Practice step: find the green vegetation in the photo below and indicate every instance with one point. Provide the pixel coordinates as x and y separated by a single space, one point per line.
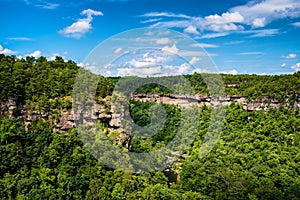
38 80
277 87
41 82
257 156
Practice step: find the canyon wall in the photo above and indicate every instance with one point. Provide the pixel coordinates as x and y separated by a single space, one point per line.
66 119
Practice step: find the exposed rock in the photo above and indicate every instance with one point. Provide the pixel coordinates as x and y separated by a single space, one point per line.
113 116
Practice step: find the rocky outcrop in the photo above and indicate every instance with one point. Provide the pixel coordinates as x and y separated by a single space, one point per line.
61 120
200 100
65 119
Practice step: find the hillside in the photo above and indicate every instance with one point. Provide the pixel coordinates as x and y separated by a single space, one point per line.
42 157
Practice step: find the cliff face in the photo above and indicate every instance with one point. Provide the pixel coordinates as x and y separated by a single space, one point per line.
200 100
65 120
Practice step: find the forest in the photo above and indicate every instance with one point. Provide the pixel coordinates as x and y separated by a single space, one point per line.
256 157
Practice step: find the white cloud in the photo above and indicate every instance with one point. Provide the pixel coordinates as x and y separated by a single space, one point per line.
82 26
262 33
172 24
205 45
224 27
161 32
166 14
162 70
89 12
290 56
228 17
54 55
149 33
42 4
148 60
139 72
6 51
194 24
163 41
47 5
214 35
141 64
194 60
173 49
228 21
259 22
151 20
239 19
297 24
118 50
157 63
81 64
269 9
182 69
283 65
191 30
233 72
296 67
19 39
36 53
194 53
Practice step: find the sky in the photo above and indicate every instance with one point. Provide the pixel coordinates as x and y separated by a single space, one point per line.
241 37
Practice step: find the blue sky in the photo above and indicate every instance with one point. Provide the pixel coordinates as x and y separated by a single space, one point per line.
241 36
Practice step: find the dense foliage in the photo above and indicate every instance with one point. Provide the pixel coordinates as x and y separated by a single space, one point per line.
30 80
256 157
279 87
38 80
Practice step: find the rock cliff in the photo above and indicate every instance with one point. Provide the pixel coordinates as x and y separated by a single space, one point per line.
65 120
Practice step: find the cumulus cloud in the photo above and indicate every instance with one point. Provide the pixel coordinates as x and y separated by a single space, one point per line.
269 10
6 51
227 17
36 53
155 70
252 15
173 49
81 26
154 63
290 56
233 72
296 67
194 60
259 22
191 30
150 71
148 60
